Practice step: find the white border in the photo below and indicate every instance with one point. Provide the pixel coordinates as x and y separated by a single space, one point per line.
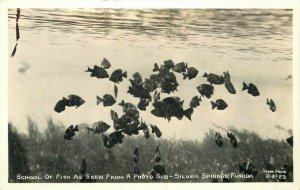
4 5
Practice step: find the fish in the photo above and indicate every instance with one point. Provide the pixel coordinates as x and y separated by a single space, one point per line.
98 72
75 100
116 137
252 89
218 139
105 64
136 154
14 50
17 32
206 90
171 107
271 105
180 67
116 91
168 83
248 168
129 109
107 142
228 84
83 167
70 132
100 127
139 92
219 104
156 96
118 75
195 102
108 100
156 130
61 104
214 79
143 104
290 140
232 139
169 64
150 85
144 127
191 73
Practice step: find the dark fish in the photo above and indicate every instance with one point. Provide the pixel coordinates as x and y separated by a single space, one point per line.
171 107
156 130
83 167
206 90
14 51
168 83
229 86
220 104
117 76
100 127
156 96
17 32
107 142
108 100
150 85
116 137
271 105
145 129
75 100
169 64
61 104
129 109
98 72
139 92
116 91
232 139
248 168
192 72
143 104
105 64
136 155
252 89
218 139
70 132
195 102
180 67
214 79
290 140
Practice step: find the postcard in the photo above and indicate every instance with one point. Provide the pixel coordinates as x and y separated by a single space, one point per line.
149 95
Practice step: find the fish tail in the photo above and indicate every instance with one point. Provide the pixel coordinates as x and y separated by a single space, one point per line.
188 113
245 87
124 74
184 76
99 100
122 103
89 70
76 128
213 105
156 68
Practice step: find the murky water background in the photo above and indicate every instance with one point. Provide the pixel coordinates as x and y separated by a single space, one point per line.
58 45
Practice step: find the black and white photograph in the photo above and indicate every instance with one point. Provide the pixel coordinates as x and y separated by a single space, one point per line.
150 95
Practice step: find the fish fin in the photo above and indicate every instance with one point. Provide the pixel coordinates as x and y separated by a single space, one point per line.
122 103
268 101
188 113
76 128
244 86
99 100
185 75
205 74
181 103
200 100
124 74
213 105
89 70
156 68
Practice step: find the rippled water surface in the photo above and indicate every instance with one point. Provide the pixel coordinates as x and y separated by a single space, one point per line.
58 45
